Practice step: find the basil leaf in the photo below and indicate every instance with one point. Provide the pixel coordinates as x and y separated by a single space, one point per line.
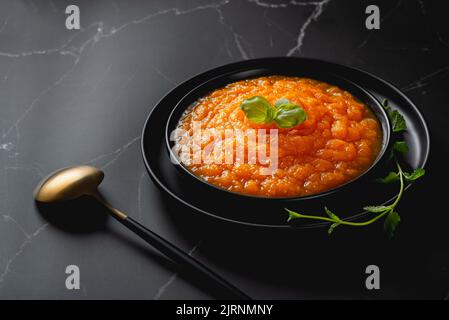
286 114
375 209
418 173
257 109
281 102
332 227
391 223
391 177
289 115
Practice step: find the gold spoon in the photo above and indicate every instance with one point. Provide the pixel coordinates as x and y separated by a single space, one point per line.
74 182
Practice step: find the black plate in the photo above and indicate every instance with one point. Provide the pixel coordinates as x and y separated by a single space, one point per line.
258 211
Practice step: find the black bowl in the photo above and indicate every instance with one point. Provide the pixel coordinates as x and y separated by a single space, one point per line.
204 201
286 70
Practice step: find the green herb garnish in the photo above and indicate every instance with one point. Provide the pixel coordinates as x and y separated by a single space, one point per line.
397 120
392 218
284 113
400 146
390 213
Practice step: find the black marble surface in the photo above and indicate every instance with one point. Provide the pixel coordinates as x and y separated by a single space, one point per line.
81 97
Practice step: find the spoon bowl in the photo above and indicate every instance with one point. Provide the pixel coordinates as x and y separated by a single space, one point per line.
68 184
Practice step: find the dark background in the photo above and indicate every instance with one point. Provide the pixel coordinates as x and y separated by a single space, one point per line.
81 97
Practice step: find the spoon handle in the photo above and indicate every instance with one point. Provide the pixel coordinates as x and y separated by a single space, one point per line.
186 262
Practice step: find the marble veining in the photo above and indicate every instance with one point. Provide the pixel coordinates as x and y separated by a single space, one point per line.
425 80
121 61
162 289
29 238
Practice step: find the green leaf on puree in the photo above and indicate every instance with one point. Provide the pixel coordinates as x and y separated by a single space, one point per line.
284 113
281 102
289 115
257 110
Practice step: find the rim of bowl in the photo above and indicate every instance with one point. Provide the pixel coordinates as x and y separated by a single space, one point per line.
386 136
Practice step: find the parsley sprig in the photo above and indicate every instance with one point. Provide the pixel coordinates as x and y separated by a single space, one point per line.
390 213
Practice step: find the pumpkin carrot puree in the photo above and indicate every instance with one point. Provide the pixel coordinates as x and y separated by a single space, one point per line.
339 140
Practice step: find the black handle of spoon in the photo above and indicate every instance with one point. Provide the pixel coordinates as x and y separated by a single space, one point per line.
186 262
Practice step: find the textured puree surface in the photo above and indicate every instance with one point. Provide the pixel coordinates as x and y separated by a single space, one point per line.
339 140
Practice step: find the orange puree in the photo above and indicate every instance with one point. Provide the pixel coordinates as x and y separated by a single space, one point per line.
339 140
